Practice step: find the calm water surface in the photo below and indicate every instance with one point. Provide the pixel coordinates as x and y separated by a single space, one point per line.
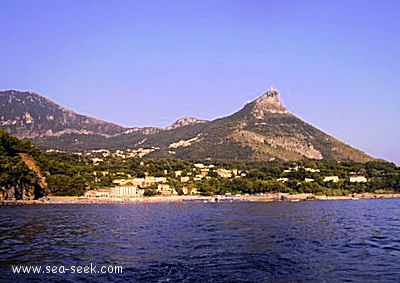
317 241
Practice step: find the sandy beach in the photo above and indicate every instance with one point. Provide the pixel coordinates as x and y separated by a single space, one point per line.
188 199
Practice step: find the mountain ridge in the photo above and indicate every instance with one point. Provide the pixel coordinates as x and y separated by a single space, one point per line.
263 129
34 116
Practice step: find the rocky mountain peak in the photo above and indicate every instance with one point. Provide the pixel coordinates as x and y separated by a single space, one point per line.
262 130
269 102
185 121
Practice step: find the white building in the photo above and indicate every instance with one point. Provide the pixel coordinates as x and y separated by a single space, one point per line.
224 173
311 170
101 193
358 179
185 179
333 179
160 179
126 192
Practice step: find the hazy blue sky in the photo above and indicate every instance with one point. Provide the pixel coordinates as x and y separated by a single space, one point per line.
147 63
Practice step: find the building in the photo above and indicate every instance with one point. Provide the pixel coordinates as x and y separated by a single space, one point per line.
96 160
189 190
185 179
138 181
101 193
126 192
204 172
166 190
197 178
160 179
358 179
120 181
224 173
311 170
333 179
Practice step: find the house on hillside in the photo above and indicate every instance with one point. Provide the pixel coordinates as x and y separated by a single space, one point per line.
312 170
198 177
333 179
185 179
358 179
224 173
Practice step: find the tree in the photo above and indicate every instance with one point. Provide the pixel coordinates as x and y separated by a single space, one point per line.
58 184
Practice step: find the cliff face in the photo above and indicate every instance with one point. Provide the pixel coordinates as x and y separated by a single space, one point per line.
18 192
23 190
30 162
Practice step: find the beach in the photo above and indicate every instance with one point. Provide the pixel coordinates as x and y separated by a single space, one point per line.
273 197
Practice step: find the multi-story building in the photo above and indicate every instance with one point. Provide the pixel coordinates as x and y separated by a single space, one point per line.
126 192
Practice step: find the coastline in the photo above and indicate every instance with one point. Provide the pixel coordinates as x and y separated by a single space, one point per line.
276 197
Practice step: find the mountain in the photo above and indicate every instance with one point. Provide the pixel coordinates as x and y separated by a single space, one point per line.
262 130
29 115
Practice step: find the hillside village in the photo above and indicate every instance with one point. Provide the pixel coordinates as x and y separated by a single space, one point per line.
189 181
127 187
105 174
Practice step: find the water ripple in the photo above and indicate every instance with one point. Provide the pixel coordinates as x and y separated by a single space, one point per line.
327 241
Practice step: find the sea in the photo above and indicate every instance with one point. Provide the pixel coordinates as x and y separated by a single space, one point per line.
311 241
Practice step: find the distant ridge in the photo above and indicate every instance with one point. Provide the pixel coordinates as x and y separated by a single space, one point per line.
29 115
263 130
186 121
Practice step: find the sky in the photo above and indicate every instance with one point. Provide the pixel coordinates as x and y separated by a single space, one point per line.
148 63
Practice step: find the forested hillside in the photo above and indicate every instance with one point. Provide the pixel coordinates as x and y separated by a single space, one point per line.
17 181
26 174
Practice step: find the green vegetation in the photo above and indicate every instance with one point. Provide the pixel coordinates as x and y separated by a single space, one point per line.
16 180
73 174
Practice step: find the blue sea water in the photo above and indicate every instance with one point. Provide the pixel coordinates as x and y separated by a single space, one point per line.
314 241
